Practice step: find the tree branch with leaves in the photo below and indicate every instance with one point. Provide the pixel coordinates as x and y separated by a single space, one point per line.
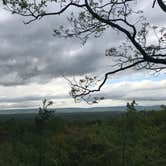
91 19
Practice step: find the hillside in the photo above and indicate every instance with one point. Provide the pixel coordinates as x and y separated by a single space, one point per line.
129 138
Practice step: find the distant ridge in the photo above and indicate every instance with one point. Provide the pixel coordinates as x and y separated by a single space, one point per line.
75 110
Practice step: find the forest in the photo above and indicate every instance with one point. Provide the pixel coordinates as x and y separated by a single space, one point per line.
131 138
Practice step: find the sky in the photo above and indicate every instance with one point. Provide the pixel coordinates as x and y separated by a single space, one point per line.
33 61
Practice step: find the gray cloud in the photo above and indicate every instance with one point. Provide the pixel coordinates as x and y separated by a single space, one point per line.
29 53
31 98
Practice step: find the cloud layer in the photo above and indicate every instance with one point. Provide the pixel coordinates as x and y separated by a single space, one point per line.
31 54
145 92
32 60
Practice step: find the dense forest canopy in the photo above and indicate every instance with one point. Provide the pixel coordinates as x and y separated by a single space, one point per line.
131 138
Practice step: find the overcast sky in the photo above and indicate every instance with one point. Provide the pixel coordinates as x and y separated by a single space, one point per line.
32 63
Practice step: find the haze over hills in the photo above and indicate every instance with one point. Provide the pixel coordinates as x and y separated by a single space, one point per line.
75 110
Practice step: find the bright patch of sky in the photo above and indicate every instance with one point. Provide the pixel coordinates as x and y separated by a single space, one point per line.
138 77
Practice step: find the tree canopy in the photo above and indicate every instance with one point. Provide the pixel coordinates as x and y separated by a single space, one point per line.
92 18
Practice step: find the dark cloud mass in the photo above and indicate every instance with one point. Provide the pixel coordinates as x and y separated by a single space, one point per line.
29 53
